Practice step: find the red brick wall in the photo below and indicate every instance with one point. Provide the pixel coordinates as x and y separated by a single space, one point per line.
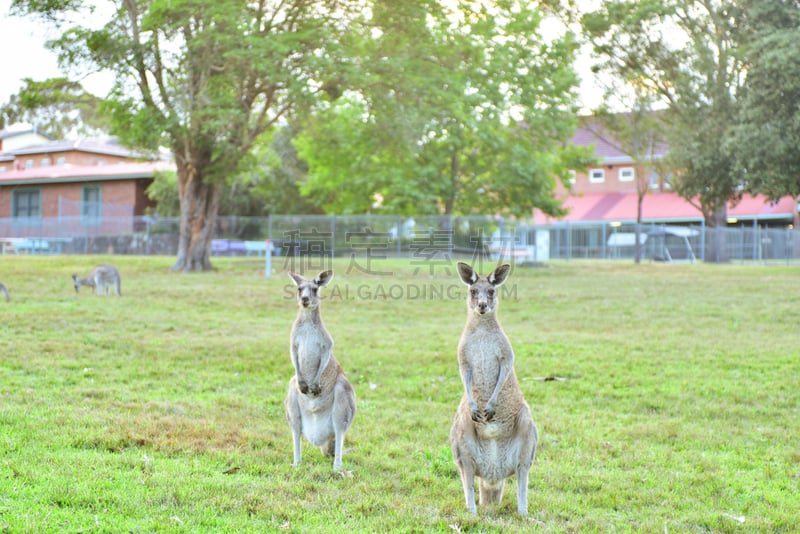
611 182
122 192
70 157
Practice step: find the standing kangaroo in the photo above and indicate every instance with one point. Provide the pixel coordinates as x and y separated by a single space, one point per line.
102 278
493 435
321 403
4 291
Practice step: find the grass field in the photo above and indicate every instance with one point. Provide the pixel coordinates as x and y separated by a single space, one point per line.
162 411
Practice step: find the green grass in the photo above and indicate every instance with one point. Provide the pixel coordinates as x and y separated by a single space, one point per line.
162 411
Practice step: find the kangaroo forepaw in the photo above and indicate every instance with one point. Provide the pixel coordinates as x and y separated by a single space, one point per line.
315 389
476 416
303 387
489 413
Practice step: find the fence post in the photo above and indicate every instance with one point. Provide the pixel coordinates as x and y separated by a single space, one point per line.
569 241
703 239
397 235
268 259
603 242
450 236
333 238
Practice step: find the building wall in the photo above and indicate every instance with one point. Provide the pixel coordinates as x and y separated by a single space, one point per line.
611 180
19 140
74 157
129 193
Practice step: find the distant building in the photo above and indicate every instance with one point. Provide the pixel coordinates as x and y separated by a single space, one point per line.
13 138
73 183
606 193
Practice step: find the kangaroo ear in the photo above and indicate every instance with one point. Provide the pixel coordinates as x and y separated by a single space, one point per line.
296 278
499 275
323 278
74 276
466 273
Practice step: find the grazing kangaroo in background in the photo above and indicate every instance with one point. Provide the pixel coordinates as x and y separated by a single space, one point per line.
102 278
493 435
321 403
4 291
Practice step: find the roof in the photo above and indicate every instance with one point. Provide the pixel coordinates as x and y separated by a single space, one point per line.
8 133
602 207
606 148
82 173
95 146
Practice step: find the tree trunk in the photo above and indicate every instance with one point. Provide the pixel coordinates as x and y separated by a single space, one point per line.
450 201
717 243
199 208
640 192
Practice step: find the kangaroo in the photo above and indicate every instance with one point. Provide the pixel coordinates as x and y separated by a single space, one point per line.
102 278
4 291
321 403
493 434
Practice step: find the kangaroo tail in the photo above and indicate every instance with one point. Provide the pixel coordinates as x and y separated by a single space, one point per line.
329 448
5 292
491 491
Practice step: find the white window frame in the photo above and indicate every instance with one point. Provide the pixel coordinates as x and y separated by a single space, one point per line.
654 180
623 171
601 176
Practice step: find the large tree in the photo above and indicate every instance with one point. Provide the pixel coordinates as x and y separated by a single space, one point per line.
685 52
204 78
58 106
766 138
638 133
454 108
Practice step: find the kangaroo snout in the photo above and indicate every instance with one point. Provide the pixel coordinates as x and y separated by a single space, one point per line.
483 307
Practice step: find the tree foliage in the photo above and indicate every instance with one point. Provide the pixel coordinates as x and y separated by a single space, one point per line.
766 138
685 52
448 109
56 106
638 133
204 78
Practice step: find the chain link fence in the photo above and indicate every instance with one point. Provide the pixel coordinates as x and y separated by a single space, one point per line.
433 238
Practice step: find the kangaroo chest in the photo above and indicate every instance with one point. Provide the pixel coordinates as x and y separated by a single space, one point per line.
484 353
312 342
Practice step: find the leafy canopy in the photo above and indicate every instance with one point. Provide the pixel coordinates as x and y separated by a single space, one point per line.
451 109
684 52
766 136
57 106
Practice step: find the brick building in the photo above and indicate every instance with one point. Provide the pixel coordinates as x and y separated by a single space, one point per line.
606 193
74 183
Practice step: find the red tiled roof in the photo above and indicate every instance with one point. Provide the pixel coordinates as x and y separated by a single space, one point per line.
68 173
594 207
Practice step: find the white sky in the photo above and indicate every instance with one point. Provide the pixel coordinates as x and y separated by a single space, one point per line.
24 56
23 53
